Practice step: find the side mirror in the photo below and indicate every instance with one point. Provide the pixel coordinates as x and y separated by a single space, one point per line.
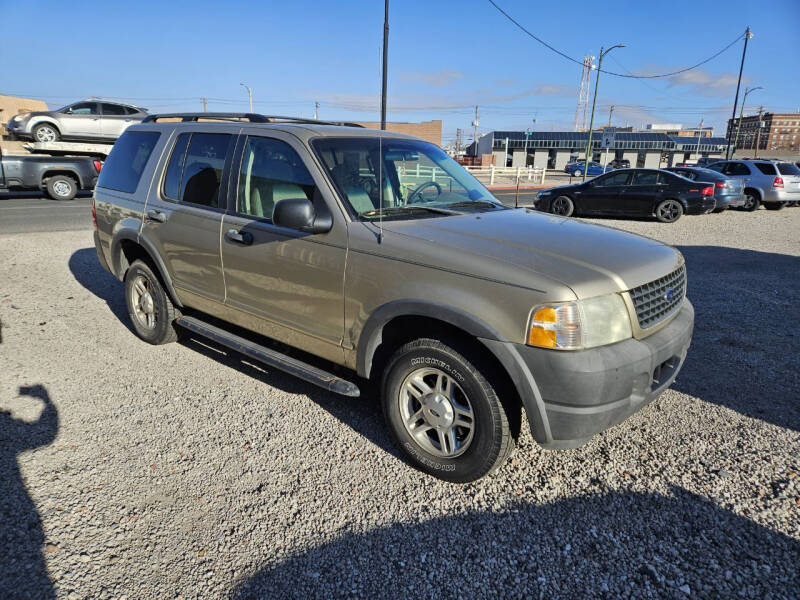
69 110
299 214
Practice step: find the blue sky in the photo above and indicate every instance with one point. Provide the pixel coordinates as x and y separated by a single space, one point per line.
444 57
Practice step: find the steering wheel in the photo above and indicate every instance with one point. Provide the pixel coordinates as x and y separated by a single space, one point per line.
421 188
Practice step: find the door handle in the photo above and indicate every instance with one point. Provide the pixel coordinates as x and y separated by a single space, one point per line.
157 216
239 237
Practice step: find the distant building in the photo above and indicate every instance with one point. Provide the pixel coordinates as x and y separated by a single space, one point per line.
12 105
554 149
780 132
427 130
679 130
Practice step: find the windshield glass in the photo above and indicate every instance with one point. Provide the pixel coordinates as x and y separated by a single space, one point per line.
400 177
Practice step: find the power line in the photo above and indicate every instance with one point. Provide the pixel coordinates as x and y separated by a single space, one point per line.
628 75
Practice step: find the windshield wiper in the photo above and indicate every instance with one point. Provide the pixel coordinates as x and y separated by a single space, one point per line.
395 210
473 204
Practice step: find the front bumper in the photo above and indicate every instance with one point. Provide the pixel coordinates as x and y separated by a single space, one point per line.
571 396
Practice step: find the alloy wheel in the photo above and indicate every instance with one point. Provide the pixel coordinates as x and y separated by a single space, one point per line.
669 211
45 134
562 206
142 301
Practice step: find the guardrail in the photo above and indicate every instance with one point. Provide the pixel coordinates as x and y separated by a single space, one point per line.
533 174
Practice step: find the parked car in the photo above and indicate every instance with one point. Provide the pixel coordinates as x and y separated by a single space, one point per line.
630 193
576 169
773 184
333 242
87 120
60 178
620 163
728 192
704 161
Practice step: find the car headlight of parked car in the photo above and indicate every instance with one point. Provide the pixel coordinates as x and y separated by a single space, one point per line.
579 324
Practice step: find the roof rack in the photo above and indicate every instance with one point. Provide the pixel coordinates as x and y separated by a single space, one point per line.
251 117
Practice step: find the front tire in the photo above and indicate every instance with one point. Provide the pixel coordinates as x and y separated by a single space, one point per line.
562 206
150 309
669 211
61 187
443 413
45 132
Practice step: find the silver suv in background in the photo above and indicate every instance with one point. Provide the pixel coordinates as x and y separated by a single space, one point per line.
85 120
775 184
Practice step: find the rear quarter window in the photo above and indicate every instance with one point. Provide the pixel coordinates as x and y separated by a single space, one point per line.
125 165
788 169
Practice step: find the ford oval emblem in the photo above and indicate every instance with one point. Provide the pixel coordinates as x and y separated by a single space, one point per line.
669 295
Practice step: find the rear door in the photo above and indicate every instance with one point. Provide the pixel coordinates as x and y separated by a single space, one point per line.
81 120
115 119
601 195
735 169
184 213
292 281
641 195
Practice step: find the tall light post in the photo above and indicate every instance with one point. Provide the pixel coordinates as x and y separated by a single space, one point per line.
741 114
249 94
594 102
747 36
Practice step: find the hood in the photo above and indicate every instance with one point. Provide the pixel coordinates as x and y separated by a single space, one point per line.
515 246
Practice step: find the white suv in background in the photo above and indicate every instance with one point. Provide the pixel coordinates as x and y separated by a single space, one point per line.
89 120
775 184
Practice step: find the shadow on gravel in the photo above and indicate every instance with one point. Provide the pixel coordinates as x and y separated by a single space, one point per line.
610 545
23 572
745 353
86 269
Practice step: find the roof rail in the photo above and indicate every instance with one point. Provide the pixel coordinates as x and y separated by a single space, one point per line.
252 117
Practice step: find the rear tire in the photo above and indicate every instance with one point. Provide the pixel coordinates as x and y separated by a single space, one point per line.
669 211
443 413
774 205
578 173
61 187
751 201
150 309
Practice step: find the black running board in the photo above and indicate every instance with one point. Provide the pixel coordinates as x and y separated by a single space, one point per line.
270 357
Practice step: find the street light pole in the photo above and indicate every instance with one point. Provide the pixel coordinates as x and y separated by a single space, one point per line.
249 95
741 113
747 36
594 102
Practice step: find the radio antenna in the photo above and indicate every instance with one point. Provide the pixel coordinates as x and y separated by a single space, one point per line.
380 188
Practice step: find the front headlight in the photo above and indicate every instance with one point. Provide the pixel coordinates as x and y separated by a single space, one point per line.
579 324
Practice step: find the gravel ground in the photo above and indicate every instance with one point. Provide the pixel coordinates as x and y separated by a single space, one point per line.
180 471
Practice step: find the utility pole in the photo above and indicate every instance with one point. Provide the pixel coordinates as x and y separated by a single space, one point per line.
741 113
249 95
610 112
594 103
747 36
758 131
316 110
204 105
385 50
475 131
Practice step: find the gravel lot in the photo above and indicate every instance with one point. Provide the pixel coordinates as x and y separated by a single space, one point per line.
180 471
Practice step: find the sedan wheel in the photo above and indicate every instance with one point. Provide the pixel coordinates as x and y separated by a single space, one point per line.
562 206
669 211
578 173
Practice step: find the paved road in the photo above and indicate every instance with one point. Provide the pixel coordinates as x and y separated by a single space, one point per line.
526 197
30 212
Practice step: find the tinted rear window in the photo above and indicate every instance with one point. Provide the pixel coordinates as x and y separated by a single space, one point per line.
127 160
788 169
766 168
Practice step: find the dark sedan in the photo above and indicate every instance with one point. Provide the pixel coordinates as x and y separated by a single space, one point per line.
728 192
630 193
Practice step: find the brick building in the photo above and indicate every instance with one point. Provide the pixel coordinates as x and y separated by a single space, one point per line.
427 130
780 132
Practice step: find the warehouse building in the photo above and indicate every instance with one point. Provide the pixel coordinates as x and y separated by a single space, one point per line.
554 149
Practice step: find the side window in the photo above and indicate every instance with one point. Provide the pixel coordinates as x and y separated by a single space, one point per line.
129 110
645 178
127 160
202 171
271 171
84 108
766 168
113 109
736 168
613 179
687 174
172 178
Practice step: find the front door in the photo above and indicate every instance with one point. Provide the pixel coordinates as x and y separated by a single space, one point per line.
183 217
601 195
292 280
81 120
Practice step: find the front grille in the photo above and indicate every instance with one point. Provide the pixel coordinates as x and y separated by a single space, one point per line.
654 303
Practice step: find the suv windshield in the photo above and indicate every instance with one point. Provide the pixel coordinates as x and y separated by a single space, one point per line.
400 179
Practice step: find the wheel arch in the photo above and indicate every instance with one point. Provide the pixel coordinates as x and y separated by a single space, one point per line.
72 173
127 246
755 191
45 121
